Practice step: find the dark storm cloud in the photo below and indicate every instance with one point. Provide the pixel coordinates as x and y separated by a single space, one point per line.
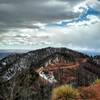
73 1
23 13
37 1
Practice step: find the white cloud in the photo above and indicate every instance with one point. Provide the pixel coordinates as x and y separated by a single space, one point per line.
82 35
76 36
80 7
40 25
91 1
84 5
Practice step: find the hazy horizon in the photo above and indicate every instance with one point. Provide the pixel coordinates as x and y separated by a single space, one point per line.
11 51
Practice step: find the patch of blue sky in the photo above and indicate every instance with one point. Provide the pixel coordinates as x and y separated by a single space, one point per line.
90 11
83 17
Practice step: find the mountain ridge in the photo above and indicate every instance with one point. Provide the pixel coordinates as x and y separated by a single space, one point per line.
18 62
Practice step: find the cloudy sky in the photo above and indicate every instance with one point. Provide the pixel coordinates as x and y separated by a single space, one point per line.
31 24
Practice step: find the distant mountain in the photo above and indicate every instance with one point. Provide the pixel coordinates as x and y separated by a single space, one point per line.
3 54
91 53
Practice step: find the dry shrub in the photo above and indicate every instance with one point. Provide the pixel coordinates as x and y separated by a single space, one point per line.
64 92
